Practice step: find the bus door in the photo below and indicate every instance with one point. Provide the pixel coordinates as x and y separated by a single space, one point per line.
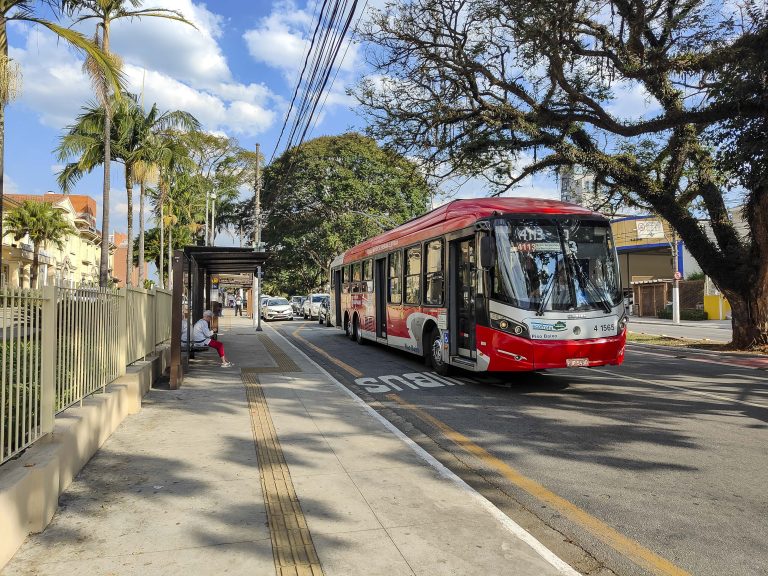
465 288
380 290
337 295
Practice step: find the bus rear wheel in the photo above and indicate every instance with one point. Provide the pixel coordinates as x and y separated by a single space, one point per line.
358 334
348 329
435 353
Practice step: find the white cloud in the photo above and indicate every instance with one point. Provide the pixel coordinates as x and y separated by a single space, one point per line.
281 39
56 87
632 100
9 186
174 48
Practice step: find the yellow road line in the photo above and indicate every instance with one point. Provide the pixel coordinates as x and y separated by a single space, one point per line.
627 547
343 365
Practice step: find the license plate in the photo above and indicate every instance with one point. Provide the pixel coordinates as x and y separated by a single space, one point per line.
576 362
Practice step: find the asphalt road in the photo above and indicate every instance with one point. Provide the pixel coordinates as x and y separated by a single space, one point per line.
654 467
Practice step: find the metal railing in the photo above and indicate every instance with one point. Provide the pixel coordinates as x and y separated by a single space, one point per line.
60 345
21 363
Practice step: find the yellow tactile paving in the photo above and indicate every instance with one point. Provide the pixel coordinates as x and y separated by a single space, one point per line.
292 546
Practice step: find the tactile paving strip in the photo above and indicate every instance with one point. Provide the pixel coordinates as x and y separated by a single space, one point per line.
283 361
292 547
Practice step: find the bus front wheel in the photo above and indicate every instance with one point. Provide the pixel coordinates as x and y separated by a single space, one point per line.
435 352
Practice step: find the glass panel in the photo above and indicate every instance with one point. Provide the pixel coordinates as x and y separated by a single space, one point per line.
356 272
413 275
368 270
555 265
433 277
395 272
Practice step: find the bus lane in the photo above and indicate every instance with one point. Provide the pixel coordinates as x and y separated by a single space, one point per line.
653 467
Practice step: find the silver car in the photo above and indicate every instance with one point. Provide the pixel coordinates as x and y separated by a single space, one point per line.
311 306
277 309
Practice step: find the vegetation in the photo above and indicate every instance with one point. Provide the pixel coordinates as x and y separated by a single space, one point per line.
134 142
509 89
43 223
691 314
105 12
326 195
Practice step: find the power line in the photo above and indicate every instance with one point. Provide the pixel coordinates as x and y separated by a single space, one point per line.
332 25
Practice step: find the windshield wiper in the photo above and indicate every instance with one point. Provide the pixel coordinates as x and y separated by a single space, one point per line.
587 281
545 297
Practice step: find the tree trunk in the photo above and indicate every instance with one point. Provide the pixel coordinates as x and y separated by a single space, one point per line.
170 259
161 267
129 250
104 279
3 54
104 259
141 234
749 311
35 266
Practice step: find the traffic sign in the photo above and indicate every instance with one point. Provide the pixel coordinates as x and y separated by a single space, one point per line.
678 276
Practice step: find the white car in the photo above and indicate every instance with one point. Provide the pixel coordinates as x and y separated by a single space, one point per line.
311 306
276 309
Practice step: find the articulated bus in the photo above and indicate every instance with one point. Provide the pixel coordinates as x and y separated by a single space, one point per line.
500 284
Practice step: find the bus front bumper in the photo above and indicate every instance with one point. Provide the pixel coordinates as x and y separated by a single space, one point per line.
508 353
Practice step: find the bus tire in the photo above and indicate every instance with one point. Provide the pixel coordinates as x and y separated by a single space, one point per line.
348 328
435 352
357 332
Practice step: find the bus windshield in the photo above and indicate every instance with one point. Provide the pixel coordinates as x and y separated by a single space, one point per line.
548 264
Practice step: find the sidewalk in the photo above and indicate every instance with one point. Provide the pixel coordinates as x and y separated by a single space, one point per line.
326 488
718 330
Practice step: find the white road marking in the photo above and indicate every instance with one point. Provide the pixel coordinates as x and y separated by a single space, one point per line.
509 524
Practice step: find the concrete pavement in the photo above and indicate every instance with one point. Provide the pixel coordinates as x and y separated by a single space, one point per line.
718 330
271 467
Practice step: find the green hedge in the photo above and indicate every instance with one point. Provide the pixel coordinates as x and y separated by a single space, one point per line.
685 314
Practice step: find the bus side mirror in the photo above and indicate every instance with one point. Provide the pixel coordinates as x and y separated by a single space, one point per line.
487 252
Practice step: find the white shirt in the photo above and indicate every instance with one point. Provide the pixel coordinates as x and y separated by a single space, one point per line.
201 333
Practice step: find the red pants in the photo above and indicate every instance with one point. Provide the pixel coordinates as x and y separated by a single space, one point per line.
218 346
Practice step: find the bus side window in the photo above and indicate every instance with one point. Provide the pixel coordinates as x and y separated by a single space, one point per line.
345 279
368 276
394 287
433 273
413 275
356 275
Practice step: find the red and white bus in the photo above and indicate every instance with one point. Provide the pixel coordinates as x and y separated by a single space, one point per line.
499 284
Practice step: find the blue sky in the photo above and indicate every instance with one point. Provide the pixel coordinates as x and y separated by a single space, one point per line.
236 74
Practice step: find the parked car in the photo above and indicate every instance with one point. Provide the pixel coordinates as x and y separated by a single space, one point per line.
311 305
324 311
296 303
276 309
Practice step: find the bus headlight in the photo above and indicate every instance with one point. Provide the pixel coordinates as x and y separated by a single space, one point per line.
622 325
508 325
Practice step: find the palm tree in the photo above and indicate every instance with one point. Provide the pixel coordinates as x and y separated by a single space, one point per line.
142 132
172 157
43 223
104 12
132 142
23 10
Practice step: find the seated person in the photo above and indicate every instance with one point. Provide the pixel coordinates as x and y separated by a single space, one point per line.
202 334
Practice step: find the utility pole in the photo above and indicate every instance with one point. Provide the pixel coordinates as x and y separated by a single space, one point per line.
257 203
675 281
257 241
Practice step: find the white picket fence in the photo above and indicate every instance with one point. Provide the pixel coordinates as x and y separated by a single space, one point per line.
59 345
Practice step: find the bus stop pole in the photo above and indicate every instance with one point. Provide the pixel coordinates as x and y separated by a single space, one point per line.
257 299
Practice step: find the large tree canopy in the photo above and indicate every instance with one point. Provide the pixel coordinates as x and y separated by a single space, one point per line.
510 88
329 194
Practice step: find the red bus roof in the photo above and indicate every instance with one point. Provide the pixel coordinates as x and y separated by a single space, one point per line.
456 215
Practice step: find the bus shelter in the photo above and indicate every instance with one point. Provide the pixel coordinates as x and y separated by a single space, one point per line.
194 269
